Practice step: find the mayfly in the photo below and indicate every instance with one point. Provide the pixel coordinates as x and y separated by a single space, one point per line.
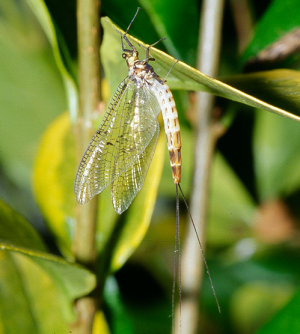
121 150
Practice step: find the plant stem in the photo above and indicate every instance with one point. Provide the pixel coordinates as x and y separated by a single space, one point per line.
84 247
206 136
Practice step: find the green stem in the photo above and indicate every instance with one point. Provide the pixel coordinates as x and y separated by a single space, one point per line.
84 246
206 136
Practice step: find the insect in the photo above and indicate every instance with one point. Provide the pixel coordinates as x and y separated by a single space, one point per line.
121 150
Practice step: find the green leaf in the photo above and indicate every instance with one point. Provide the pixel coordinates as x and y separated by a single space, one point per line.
120 320
31 91
254 303
281 17
276 156
40 10
182 76
165 16
277 87
231 206
42 307
37 289
286 321
16 231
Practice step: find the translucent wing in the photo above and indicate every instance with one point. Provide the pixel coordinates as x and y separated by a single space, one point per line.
124 133
128 184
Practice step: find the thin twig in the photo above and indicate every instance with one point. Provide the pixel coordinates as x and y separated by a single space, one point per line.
192 263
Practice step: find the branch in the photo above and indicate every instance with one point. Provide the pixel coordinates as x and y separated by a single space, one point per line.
206 136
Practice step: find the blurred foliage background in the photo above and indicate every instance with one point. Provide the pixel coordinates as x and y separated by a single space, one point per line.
253 233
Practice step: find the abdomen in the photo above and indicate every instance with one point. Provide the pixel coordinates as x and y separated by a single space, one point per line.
172 127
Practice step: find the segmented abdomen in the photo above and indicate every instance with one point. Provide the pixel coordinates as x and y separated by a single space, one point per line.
172 127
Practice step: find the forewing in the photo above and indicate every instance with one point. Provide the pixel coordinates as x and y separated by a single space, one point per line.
128 184
125 132
98 156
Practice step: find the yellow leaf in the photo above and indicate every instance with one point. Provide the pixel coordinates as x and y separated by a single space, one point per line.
53 180
100 325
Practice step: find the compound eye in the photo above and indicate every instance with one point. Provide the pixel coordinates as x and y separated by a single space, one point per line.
124 55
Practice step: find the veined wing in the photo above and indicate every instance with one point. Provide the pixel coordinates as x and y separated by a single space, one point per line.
128 184
124 133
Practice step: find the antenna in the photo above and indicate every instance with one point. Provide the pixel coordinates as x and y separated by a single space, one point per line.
124 36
